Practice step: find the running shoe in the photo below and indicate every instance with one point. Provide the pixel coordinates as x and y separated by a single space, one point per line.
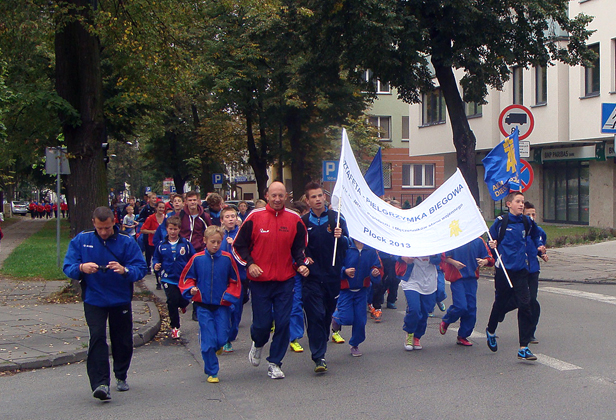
408 344
255 355
220 350
391 305
377 315
355 351
296 347
441 306
443 327
274 371
526 354
491 338
175 333
227 348
371 310
213 379
337 338
416 344
464 342
320 366
102 393
533 340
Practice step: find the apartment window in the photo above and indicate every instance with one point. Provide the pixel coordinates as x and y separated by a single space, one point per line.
405 128
518 85
386 175
592 74
472 109
541 85
433 107
383 124
418 175
379 87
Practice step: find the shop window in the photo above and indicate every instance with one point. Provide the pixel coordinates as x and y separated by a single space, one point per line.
566 192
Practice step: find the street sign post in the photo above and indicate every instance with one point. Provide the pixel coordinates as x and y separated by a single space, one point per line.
516 116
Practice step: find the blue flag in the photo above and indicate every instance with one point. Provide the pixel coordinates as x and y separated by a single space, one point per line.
374 175
502 166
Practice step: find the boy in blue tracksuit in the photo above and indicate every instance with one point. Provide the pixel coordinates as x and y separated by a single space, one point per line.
510 241
228 218
170 257
533 270
211 280
466 261
360 269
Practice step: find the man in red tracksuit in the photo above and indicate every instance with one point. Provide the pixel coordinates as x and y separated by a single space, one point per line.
268 243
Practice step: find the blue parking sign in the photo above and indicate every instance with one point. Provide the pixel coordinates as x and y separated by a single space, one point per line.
217 179
330 170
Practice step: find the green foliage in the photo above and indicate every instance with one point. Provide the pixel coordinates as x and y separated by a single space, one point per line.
35 258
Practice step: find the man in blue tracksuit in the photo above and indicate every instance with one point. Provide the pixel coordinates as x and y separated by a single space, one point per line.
510 241
320 289
170 257
107 263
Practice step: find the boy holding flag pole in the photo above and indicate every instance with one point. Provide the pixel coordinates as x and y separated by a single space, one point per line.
510 231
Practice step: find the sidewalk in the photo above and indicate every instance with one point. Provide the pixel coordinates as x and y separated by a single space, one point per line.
595 263
36 334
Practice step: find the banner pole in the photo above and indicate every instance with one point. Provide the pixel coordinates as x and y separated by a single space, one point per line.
337 226
501 262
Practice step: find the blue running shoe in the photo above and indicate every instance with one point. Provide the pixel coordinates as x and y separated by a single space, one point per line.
491 341
526 354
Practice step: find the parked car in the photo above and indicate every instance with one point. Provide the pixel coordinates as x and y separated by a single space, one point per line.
19 207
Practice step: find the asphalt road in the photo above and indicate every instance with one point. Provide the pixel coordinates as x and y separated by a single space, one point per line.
574 377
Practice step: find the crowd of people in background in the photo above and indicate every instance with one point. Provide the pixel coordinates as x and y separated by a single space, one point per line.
45 209
304 272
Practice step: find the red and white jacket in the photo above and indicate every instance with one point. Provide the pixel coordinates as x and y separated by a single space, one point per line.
274 240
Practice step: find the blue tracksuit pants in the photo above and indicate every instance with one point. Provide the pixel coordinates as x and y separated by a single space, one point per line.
417 309
464 306
351 310
272 302
236 316
297 311
214 326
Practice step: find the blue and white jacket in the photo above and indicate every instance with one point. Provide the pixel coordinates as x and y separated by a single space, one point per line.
172 262
513 247
105 289
363 261
531 251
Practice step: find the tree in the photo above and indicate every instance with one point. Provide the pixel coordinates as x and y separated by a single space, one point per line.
484 38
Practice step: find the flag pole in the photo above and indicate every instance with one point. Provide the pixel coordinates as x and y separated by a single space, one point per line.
339 198
501 262
337 226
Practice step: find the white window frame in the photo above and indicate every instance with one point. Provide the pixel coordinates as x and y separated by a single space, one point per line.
379 119
380 87
441 107
410 167
406 124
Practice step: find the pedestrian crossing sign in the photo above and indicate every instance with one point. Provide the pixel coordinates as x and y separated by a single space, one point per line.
608 118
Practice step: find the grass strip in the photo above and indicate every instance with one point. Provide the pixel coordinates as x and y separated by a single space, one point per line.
35 258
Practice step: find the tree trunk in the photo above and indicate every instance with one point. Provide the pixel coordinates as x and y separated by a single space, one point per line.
463 137
78 80
298 154
255 158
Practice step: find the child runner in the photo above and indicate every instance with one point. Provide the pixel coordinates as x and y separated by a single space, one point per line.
465 260
509 234
169 259
228 217
129 223
361 268
214 272
296 326
418 277
533 270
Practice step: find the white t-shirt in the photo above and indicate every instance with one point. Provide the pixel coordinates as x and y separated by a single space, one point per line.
423 277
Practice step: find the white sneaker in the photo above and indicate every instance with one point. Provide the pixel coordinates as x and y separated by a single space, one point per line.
255 355
274 371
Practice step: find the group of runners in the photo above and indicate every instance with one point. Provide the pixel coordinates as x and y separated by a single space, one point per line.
46 210
299 267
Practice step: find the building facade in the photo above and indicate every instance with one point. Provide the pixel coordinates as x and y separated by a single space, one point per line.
571 155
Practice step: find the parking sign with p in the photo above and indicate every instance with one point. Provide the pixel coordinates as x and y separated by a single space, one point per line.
330 170
217 179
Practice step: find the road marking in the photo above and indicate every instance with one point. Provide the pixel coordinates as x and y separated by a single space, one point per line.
541 358
578 293
555 363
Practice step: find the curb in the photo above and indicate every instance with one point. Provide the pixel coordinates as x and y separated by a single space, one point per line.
140 337
550 280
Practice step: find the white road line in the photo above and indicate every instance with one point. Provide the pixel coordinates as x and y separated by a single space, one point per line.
578 293
541 358
555 363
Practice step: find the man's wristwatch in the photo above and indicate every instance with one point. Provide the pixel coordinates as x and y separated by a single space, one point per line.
125 271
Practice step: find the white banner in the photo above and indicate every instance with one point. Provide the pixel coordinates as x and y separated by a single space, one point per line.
447 219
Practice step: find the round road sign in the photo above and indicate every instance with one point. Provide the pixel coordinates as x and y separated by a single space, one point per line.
516 116
527 176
